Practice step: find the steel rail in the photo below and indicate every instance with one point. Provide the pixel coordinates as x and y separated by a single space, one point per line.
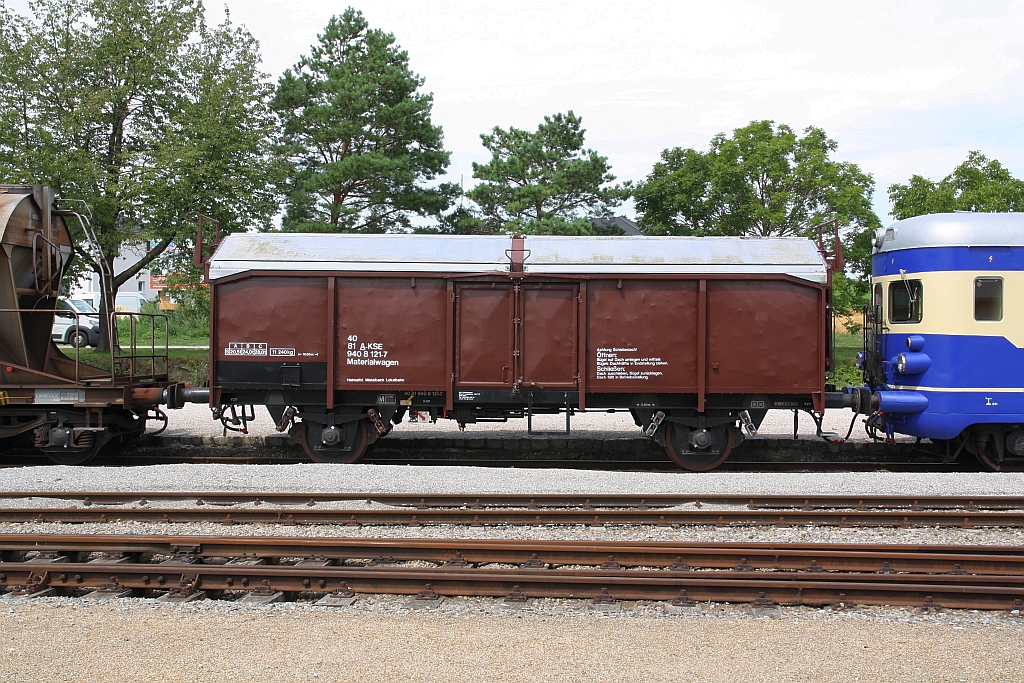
988 560
505 516
759 588
541 500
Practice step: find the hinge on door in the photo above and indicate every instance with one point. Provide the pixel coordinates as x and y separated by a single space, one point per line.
579 297
515 354
453 378
517 321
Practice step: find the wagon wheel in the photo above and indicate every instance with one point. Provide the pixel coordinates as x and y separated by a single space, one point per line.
350 447
123 439
680 447
987 456
84 450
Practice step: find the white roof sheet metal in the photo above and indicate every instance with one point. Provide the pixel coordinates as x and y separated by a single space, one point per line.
243 252
952 230
713 255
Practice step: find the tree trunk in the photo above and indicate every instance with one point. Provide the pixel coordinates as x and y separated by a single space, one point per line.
108 289
115 281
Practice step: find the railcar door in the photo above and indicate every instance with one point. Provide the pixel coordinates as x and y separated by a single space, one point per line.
547 341
484 335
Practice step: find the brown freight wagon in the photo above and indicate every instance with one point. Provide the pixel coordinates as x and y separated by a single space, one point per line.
342 335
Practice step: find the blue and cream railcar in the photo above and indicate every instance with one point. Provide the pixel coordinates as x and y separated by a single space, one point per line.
944 343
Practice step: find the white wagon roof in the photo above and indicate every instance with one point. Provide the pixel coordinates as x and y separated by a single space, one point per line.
244 252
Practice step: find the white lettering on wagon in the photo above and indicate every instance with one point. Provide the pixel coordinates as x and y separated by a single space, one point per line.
246 349
369 354
625 363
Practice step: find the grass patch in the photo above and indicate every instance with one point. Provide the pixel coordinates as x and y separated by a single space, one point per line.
846 373
183 365
177 335
186 325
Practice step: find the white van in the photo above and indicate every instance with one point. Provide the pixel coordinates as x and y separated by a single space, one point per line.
81 331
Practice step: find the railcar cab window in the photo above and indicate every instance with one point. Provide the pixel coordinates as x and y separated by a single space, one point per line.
905 301
988 298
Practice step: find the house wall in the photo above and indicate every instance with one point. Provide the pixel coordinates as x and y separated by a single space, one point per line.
132 293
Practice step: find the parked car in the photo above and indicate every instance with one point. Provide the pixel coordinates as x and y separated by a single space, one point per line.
83 330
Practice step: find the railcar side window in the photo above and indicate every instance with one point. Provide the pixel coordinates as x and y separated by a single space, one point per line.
906 301
988 298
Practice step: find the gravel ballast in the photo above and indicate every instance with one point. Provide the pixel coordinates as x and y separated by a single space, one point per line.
421 479
132 640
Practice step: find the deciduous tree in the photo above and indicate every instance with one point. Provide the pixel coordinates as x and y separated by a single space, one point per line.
142 111
766 181
978 184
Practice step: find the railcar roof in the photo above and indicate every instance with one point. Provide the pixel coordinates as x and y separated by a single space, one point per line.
952 230
243 252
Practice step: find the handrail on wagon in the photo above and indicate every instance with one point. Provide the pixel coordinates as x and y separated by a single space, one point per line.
134 365
834 258
198 257
51 312
131 367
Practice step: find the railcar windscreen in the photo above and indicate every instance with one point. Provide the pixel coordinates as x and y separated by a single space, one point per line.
988 298
906 301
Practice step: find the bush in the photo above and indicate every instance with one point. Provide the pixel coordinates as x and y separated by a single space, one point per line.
845 375
849 295
190 321
853 326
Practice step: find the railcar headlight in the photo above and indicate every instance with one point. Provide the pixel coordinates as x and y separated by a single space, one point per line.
915 342
912 363
879 237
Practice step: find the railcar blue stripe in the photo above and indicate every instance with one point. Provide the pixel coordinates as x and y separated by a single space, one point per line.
932 259
960 362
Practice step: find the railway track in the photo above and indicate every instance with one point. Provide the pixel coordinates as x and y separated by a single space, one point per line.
538 509
188 567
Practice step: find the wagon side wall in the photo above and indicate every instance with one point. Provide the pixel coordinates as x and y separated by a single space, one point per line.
689 335
391 332
748 335
265 324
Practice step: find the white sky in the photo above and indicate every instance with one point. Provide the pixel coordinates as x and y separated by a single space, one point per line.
904 87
